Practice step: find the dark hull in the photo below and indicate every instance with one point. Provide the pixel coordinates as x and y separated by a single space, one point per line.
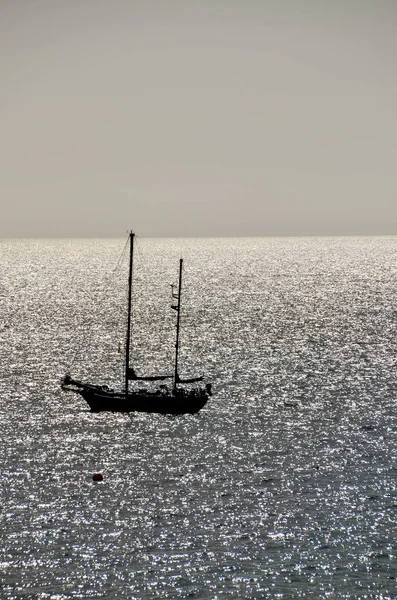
149 403
101 399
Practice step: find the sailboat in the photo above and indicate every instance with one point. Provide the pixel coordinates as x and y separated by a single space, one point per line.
182 398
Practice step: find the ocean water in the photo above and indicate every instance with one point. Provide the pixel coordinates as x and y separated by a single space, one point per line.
283 486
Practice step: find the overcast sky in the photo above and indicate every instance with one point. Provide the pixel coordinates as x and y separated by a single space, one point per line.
198 117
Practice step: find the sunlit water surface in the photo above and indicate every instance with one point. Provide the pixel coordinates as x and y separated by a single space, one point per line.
284 486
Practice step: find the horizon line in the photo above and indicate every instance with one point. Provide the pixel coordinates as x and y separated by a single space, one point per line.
287 235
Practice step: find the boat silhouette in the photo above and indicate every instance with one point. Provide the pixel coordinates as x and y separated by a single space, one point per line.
184 395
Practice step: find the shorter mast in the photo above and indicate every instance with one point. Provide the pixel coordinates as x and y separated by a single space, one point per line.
178 310
127 342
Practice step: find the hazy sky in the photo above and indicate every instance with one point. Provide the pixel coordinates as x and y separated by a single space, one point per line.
198 117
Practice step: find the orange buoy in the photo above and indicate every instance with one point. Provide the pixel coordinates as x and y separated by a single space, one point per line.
97 477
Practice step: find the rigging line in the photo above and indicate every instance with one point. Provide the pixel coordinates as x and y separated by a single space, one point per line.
122 256
162 341
108 279
167 331
190 334
139 289
166 325
120 315
120 308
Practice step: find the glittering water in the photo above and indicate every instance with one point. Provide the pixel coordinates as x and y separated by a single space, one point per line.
284 486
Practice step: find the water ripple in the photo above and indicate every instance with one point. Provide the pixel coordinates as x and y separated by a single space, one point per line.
284 486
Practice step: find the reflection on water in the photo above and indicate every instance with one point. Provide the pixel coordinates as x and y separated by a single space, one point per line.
284 486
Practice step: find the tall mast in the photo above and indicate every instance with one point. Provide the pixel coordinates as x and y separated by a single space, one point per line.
127 344
178 322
